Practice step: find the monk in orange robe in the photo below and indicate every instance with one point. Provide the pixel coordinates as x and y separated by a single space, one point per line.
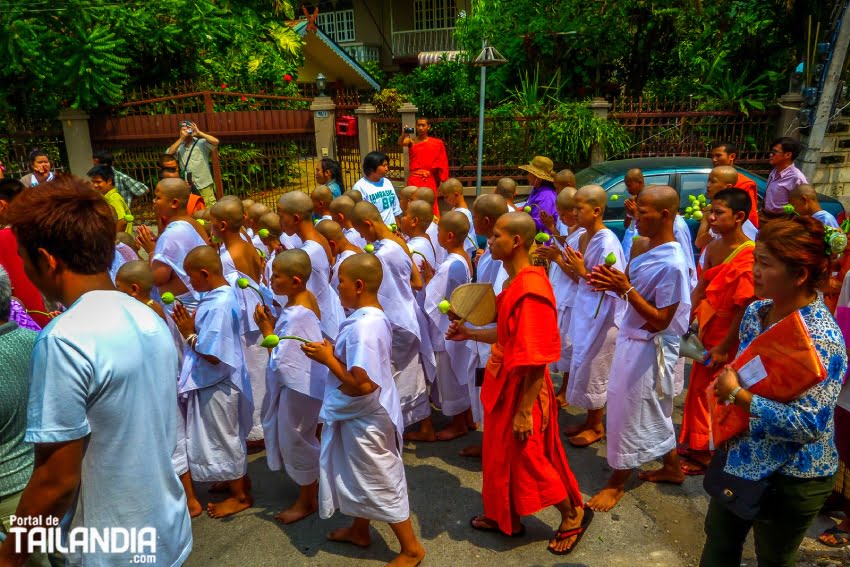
429 164
524 465
725 289
749 186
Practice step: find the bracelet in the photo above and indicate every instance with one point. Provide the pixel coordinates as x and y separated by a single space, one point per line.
192 339
733 394
625 296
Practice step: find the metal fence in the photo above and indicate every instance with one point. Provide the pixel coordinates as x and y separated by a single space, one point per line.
348 147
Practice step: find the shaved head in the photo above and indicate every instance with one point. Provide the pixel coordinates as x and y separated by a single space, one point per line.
354 195
594 195
726 174
491 205
137 272
424 194
203 258
804 190
421 211
322 193
270 222
330 230
406 193
364 267
451 185
257 210
229 211
246 203
565 178
635 175
365 211
519 224
174 188
342 205
660 198
455 222
293 263
566 198
506 187
127 239
296 203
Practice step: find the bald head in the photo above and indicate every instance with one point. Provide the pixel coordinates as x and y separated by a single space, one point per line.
296 203
506 188
322 193
725 174
203 258
342 206
424 194
174 188
364 267
406 193
246 203
566 198
594 195
456 223
804 190
294 263
137 272
270 222
491 206
365 211
229 211
331 230
518 224
634 176
257 210
565 178
660 198
451 186
422 212
354 195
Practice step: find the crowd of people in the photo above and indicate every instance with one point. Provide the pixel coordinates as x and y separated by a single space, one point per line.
323 332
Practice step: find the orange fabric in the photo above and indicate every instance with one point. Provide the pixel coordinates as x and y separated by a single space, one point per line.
521 478
749 186
831 299
730 286
429 156
195 204
792 366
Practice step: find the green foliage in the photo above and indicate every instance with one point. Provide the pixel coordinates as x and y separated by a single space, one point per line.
723 86
387 102
445 89
572 131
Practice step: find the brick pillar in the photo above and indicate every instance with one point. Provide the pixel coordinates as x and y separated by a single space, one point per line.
600 107
75 128
323 122
789 115
408 118
365 113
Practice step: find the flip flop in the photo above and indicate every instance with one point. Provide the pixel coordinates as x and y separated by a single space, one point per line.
578 532
698 470
495 529
842 538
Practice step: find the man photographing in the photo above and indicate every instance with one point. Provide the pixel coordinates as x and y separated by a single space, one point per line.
193 150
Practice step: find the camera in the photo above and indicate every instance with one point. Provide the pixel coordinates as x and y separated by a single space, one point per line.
409 130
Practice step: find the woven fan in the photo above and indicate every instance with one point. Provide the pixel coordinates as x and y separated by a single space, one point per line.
474 302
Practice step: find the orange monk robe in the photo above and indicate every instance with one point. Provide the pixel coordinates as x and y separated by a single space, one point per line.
429 166
842 265
749 186
195 204
729 286
521 478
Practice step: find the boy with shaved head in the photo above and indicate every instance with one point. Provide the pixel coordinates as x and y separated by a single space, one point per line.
361 471
415 221
595 317
181 234
523 461
720 178
295 384
254 214
405 194
506 188
401 279
341 213
425 194
322 197
452 191
240 260
804 199
215 384
643 382
563 179
340 246
634 185
295 210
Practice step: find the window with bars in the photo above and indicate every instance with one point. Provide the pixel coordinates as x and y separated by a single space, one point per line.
434 14
338 25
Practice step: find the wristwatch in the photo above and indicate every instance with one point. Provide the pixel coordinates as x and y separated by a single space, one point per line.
733 394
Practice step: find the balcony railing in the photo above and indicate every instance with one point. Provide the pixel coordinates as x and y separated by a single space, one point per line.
363 53
411 43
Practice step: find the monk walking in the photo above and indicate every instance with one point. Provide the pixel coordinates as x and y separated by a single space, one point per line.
524 465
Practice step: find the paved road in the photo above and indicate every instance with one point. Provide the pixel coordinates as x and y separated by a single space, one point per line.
654 525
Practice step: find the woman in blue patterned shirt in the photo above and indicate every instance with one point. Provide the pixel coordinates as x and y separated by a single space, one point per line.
790 445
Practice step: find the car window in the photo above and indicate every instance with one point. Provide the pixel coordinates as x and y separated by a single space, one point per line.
658 179
691 184
616 195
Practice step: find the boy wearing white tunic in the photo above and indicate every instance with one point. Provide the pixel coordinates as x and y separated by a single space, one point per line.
296 384
401 278
340 209
643 379
361 472
341 246
295 210
427 195
595 316
215 384
452 191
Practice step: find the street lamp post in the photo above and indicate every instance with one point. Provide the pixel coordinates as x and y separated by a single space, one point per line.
488 57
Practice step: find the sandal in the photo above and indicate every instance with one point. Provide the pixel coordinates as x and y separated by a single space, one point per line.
695 467
578 532
494 527
841 537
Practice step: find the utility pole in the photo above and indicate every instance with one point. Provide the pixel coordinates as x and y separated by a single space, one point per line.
811 155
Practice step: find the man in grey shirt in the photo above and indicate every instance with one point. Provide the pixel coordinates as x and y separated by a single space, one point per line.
193 150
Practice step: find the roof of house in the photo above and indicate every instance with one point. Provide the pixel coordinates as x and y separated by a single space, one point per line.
323 55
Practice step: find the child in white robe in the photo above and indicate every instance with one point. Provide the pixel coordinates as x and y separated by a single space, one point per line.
215 384
361 470
452 192
171 247
340 209
295 384
427 195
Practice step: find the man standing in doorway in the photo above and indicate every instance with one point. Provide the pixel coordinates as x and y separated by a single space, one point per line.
429 164
725 154
785 176
193 150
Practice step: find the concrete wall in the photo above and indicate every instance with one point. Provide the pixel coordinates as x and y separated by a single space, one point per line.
832 176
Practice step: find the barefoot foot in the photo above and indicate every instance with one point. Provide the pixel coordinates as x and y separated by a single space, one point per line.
348 535
587 437
472 451
606 498
561 398
297 511
573 430
195 508
452 432
421 436
410 558
663 475
227 507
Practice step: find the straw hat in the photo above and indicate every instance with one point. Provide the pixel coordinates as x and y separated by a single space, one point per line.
540 167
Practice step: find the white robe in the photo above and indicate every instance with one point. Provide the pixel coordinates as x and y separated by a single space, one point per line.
290 242
682 234
594 339
426 252
452 357
440 252
643 380
354 237
172 245
471 242
565 293
179 458
296 387
319 285
258 243
361 472
218 396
